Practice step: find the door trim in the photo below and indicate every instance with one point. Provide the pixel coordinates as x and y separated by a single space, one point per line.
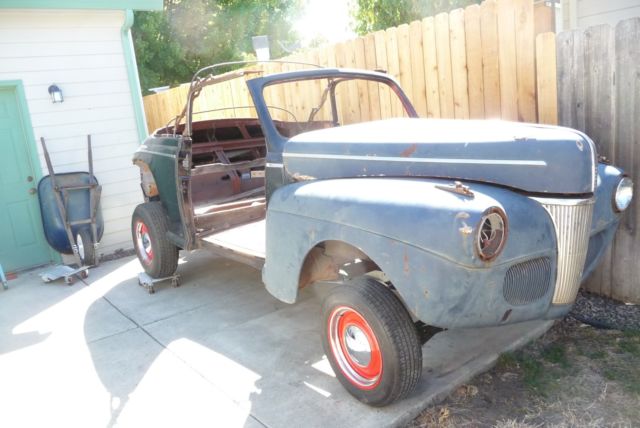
32 150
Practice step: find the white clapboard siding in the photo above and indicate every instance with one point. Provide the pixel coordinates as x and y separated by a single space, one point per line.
81 52
38 91
595 12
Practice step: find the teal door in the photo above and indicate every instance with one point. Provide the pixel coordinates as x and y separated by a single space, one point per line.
22 242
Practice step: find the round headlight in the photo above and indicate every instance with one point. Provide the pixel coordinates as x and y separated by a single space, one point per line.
624 194
491 234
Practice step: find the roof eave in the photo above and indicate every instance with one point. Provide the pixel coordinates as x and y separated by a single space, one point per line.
153 5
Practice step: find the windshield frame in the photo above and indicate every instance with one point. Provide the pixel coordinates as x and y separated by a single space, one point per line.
275 141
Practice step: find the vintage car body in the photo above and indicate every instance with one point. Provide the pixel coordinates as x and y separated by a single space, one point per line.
465 223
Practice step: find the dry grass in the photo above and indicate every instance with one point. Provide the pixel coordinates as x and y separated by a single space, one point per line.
573 376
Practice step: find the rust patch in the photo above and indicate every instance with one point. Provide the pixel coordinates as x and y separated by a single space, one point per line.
146 177
302 177
318 267
406 264
409 151
465 229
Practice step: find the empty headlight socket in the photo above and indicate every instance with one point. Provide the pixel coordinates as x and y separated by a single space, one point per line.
496 221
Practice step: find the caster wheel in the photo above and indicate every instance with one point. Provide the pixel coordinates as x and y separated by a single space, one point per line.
70 280
175 282
84 274
151 290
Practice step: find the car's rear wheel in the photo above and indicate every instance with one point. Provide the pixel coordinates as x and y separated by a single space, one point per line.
371 342
149 227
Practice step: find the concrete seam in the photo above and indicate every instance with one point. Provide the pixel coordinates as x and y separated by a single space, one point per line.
255 418
186 311
110 335
214 386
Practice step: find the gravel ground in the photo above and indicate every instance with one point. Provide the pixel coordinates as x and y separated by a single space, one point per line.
118 254
576 375
603 312
583 372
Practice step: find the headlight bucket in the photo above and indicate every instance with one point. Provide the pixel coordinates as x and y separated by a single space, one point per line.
491 233
623 195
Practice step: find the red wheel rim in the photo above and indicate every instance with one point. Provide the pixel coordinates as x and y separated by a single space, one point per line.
355 347
143 241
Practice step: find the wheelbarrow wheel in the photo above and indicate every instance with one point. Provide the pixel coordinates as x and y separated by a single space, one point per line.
149 226
86 249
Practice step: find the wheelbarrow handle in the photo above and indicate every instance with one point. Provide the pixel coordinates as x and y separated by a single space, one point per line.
90 155
48 161
59 201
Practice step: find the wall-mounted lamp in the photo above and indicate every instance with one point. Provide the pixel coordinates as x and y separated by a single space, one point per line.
261 46
56 94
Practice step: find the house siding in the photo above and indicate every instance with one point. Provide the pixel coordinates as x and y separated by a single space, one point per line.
594 12
81 51
586 13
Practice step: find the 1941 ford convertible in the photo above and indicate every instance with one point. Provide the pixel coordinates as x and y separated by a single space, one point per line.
412 222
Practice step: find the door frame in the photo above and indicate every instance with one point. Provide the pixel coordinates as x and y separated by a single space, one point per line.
32 150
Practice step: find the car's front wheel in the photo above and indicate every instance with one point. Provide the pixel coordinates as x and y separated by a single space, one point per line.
158 256
371 342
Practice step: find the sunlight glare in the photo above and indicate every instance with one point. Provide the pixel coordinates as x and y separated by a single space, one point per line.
325 21
324 366
325 394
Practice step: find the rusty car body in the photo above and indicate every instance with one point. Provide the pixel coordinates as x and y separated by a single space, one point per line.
413 222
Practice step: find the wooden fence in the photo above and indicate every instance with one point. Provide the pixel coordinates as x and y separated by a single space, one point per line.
599 93
479 62
487 62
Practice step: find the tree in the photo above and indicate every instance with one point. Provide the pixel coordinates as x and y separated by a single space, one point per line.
373 15
188 34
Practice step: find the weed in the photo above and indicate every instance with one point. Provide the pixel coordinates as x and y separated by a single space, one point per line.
556 354
611 374
596 355
508 360
626 374
535 377
629 346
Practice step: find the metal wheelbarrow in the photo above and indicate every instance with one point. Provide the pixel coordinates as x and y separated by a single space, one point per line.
71 217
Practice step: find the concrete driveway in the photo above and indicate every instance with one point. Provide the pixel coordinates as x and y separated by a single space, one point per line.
218 351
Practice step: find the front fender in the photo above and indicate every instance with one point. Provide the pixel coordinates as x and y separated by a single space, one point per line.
421 236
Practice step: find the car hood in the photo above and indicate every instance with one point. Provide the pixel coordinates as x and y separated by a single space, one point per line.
533 158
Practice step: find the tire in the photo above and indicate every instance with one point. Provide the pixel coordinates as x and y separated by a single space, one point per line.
149 227
86 249
364 315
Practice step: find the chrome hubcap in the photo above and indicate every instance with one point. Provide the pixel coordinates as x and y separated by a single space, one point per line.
80 246
357 345
354 347
145 251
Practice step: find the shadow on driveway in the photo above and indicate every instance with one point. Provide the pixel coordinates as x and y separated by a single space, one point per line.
261 356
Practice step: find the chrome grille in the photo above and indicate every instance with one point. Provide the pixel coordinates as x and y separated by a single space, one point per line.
527 282
572 220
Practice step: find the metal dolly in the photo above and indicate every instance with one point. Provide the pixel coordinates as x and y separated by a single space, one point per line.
144 280
67 272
